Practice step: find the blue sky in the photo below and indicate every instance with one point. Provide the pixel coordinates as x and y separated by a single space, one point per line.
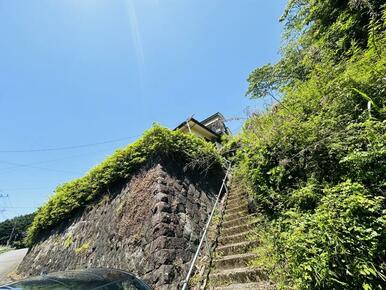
93 71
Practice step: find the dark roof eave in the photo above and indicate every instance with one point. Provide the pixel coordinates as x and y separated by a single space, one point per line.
199 124
212 117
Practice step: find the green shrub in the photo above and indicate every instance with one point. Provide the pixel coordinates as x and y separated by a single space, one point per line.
156 145
83 248
315 163
338 246
68 242
14 230
4 249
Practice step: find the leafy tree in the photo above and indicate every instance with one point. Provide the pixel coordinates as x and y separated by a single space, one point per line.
13 231
316 162
318 31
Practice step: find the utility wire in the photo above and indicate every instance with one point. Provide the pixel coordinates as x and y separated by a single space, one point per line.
32 165
6 169
18 207
23 188
38 167
68 147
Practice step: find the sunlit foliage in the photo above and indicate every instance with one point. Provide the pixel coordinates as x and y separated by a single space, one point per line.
158 144
316 162
13 231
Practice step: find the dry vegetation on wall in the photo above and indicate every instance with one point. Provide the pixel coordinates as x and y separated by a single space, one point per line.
131 224
156 145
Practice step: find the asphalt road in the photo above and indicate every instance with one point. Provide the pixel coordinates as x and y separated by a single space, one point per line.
9 262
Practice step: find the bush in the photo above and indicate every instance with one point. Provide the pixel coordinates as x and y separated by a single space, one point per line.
156 145
15 230
315 163
340 245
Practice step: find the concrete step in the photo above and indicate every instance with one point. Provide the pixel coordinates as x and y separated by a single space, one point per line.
236 276
235 209
236 190
236 196
238 221
234 215
233 261
228 231
233 239
234 204
236 248
262 285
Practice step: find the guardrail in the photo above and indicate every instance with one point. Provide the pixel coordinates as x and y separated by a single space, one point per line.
204 234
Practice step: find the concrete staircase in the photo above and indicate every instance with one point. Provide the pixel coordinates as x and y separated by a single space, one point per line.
230 266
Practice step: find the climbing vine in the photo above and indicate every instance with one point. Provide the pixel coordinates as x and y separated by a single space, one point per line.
158 144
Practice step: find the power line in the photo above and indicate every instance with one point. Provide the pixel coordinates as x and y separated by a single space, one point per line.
19 207
32 165
38 167
25 188
43 162
67 147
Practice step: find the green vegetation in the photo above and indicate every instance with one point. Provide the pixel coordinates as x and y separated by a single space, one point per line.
156 145
83 248
14 231
68 242
316 162
4 249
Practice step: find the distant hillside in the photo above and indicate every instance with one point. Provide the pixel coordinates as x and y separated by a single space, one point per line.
15 230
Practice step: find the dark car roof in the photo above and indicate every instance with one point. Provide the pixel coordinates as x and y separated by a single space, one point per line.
93 278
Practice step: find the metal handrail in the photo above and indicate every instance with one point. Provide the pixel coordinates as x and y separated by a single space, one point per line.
186 281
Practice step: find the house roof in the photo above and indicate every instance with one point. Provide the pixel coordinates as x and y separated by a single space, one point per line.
193 122
210 118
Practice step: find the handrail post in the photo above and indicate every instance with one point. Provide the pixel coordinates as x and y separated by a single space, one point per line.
203 237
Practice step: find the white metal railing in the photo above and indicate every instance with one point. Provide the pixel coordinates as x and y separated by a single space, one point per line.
204 234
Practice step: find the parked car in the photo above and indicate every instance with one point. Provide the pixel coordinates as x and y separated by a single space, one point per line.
88 279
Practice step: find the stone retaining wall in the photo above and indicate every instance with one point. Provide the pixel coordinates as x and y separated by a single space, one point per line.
151 227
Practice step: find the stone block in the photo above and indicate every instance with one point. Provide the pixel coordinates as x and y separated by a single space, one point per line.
151 227
162 207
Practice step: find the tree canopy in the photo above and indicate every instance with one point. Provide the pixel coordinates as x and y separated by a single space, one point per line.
315 164
13 231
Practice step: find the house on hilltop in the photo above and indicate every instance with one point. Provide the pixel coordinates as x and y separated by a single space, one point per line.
211 129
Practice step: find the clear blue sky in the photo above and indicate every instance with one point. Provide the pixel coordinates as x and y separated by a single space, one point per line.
76 72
